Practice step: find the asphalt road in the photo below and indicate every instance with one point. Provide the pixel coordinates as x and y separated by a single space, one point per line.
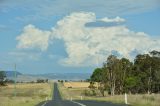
57 101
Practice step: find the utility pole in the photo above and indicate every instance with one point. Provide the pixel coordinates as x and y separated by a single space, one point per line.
15 80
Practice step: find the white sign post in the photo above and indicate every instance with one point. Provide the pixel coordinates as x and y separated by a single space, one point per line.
126 102
81 98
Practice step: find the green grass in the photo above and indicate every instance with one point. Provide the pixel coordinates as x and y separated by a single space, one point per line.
26 94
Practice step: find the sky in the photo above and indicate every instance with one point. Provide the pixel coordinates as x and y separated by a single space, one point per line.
75 36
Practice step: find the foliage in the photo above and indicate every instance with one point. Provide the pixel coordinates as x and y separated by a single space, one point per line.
98 76
121 75
42 80
2 78
89 93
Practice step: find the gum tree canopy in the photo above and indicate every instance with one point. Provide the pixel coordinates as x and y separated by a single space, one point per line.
120 75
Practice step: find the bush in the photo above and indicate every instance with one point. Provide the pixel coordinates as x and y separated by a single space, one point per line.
69 87
10 81
2 78
40 81
89 93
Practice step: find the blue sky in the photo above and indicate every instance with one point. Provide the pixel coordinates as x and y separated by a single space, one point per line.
53 35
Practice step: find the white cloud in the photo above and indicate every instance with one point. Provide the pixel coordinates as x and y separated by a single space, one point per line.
33 37
87 46
117 19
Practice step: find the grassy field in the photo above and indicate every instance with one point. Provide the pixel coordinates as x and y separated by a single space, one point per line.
77 93
26 94
76 84
74 92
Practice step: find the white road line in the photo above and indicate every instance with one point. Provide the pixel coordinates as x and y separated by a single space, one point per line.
44 103
78 103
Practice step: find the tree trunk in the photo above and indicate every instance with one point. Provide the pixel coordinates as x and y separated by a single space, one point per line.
113 88
149 85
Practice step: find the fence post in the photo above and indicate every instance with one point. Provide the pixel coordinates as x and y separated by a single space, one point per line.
81 98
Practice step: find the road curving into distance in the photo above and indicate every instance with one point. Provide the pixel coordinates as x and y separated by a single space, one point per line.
57 101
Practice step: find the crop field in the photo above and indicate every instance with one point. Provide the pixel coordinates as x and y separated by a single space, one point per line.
75 91
26 94
76 84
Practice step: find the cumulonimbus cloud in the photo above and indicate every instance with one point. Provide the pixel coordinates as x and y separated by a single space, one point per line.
87 46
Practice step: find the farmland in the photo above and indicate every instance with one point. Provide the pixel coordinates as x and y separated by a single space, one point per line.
26 94
76 84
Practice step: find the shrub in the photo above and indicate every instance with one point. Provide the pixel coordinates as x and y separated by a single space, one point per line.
89 92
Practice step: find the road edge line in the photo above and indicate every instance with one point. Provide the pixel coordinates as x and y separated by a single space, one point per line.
78 103
44 103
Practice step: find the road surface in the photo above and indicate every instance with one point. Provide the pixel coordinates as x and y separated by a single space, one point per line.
57 101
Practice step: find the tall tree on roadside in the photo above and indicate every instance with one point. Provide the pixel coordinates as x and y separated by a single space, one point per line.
125 72
142 65
155 71
113 67
121 75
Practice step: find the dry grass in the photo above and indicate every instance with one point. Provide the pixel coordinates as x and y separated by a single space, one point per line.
26 94
76 84
135 100
144 100
67 93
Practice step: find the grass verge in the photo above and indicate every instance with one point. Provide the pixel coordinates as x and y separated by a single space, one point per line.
134 100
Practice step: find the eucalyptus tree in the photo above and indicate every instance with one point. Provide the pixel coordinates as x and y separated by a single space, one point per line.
99 76
119 76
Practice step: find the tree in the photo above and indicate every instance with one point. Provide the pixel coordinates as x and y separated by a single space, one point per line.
147 67
121 75
144 72
99 77
2 78
118 71
125 71
92 88
130 83
113 67
155 53
41 81
155 71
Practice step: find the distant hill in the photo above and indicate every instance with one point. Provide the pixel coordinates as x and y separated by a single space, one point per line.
51 76
12 73
66 76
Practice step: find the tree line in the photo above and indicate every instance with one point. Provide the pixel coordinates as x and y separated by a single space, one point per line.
119 76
